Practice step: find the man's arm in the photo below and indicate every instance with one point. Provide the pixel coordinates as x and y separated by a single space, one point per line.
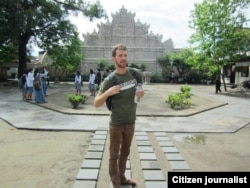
102 97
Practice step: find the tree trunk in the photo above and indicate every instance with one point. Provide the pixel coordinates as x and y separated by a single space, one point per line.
22 55
224 83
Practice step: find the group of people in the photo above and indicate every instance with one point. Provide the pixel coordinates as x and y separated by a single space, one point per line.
94 80
28 89
78 83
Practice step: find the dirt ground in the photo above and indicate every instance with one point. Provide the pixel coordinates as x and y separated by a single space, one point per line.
38 158
215 152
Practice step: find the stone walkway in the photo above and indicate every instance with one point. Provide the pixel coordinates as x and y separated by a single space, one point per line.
153 154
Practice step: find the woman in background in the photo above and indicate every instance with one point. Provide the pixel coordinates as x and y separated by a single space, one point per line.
39 93
78 83
92 82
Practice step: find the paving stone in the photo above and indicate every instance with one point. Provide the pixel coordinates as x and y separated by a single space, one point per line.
128 164
126 186
166 143
147 129
169 149
123 186
160 134
174 157
145 149
154 175
99 137
179 165
141 137
128 173
143 143
147 156
98 142
182 170
156 184
81 184
101 132
88 163
150 165
87 174
140 133
161 138
96 148
93 155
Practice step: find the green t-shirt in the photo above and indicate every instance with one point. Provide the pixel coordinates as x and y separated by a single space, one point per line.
123 105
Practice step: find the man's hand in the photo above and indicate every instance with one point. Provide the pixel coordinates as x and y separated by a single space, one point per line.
113 90
101 97
139 93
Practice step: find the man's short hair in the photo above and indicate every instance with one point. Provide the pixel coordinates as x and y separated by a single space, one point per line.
118 47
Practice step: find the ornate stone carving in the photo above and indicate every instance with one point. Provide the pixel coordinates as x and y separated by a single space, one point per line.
143 47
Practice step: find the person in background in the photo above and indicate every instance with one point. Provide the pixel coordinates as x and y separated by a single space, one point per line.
29 83
44 76
98 78
39 93
92 83
172 77
48 80
24 88
78 83
123 115
217 84
106 74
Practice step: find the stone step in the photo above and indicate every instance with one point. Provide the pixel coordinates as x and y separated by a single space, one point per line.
152 156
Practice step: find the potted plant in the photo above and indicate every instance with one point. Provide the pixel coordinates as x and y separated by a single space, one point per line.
76 100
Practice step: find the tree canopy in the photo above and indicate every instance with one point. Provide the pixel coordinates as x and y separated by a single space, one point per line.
219 36
66 57
40 22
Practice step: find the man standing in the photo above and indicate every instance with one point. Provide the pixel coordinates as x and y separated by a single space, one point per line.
217 84
123 114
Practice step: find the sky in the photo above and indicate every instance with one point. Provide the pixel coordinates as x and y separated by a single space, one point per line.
168 18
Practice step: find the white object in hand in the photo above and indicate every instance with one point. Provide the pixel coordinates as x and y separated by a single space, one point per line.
138 88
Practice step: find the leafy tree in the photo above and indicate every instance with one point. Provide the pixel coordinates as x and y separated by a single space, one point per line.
180 60
68 56
219 33
8 53
101 64
111 67
143 67
165 63
133 65
41 22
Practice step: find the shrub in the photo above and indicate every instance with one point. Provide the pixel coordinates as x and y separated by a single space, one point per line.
76 100
180 100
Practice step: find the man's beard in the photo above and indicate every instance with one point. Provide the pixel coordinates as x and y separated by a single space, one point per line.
121 65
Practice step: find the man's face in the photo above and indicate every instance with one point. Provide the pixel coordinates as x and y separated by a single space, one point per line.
120 59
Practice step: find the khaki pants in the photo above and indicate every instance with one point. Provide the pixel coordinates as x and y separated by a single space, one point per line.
120 141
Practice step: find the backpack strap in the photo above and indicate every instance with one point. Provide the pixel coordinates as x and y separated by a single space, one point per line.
112 82
134 73
112 79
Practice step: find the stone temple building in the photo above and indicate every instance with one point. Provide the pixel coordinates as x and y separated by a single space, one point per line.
143 47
